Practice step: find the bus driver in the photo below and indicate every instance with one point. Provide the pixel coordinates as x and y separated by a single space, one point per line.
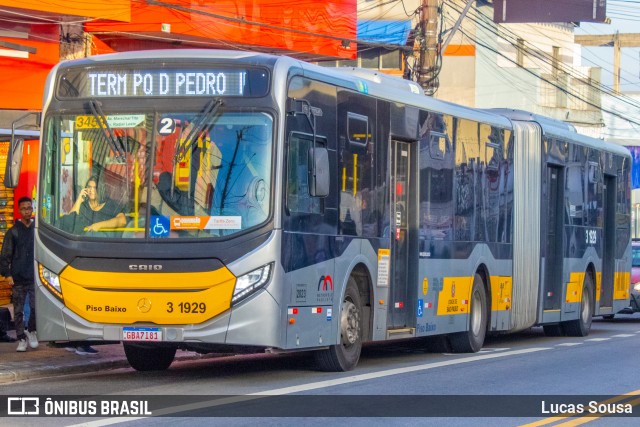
93 211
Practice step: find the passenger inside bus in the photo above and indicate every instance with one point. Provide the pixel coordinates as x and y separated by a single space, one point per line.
93 210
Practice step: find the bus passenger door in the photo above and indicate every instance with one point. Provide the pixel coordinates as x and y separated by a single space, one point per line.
554 253
608 241
401 303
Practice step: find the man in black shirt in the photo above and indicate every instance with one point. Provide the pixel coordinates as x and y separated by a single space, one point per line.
16 264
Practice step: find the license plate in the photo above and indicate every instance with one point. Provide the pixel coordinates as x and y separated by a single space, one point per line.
141 334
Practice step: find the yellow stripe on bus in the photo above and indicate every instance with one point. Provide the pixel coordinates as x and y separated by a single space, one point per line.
501 293
574 288
622 281
161 298
454 296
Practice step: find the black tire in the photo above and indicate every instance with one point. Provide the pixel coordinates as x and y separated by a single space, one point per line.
345 355
472 339
554 330
582 325
143 357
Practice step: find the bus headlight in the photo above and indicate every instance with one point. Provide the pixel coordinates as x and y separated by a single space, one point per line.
50 280
251 282
636 287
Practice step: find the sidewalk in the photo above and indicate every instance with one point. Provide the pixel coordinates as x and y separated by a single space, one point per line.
47 361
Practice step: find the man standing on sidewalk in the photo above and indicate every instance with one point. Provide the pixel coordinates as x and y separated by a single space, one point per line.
16 264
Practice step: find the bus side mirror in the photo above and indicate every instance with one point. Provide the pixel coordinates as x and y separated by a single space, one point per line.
318 172
14 156
14 163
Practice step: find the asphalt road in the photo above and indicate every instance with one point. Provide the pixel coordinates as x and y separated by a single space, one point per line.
395 384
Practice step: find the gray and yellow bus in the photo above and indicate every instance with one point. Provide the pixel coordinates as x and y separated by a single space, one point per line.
243 202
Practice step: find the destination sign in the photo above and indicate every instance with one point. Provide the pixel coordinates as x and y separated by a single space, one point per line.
163 83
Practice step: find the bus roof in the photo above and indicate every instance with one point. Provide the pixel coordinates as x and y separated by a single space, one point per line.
560 129
375 84
370 82
160 54
403 91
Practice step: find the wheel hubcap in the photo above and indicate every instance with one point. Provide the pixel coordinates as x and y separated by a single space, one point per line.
586 305
349 323
476 315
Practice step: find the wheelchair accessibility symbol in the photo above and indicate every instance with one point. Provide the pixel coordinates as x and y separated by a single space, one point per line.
420 310
159 226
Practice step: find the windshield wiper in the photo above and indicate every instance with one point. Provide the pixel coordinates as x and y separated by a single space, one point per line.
72 91
96 110
209 111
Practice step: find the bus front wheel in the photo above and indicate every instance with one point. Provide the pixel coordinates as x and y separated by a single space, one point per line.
345 355
472 339
143 357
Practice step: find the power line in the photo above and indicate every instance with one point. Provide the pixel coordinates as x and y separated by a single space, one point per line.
500 30
578 97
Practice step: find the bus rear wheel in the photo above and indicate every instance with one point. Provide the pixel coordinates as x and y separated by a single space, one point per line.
144 357
582 325
345 355
472 339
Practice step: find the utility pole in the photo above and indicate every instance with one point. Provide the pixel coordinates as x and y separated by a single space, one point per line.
616 40
431 47
74 42
427 69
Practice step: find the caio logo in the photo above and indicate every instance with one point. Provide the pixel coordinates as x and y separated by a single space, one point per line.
325 283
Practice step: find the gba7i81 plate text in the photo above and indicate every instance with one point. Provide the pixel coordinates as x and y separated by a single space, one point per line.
141 334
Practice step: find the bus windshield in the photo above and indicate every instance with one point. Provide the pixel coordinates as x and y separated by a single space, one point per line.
156 175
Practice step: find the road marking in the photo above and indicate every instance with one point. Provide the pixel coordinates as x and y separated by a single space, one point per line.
313 386
390 372
584 419
598 339
568 344
493 349
622 336
482 351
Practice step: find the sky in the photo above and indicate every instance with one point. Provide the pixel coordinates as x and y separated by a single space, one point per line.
625 18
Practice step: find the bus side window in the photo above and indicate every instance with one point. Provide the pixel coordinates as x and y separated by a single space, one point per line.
299 199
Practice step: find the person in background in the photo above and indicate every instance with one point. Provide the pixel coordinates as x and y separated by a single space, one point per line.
16 264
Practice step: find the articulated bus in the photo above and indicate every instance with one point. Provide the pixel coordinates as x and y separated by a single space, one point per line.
265 204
